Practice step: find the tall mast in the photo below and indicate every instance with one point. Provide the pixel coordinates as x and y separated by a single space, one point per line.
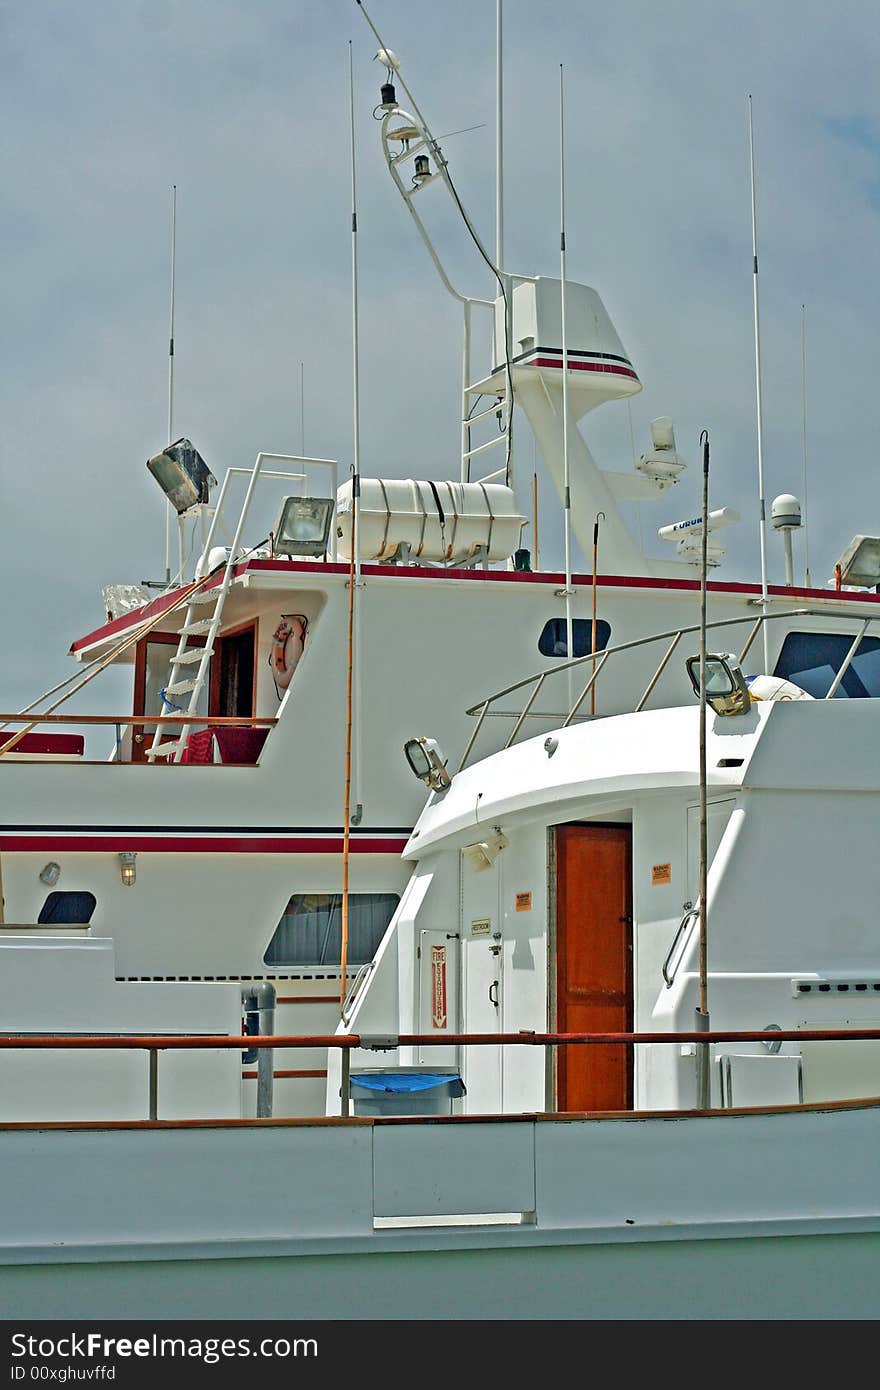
759 405
566 500
354 566
499 143
169 510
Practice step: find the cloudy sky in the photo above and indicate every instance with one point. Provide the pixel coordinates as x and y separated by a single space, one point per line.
107 103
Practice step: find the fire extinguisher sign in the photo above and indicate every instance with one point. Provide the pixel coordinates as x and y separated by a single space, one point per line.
438 986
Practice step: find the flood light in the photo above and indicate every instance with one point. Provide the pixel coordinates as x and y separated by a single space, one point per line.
860 562
726 689
182 474
303 526
427 762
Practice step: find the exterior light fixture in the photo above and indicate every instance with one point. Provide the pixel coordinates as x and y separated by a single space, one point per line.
427 762
303 526
182 474
860 563
127 867
422 168
50 873
726 689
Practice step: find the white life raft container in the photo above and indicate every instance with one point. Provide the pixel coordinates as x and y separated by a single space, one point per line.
440 523
775 688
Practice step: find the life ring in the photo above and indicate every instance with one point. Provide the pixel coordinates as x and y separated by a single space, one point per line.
288 644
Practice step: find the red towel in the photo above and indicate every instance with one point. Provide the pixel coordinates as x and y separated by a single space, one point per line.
199 747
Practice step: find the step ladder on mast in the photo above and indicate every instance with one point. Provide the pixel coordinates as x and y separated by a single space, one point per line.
213 596
406 138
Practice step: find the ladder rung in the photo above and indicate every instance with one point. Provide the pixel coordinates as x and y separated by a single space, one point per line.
481 448
180 688
481 414
189 658
163 750
203 625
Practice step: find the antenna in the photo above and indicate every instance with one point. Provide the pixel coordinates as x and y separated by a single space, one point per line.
169 510
567 591
702 1012
302 409
499 143
760 412
804 400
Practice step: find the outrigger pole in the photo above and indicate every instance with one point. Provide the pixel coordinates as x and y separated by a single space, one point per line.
169 510
702 1013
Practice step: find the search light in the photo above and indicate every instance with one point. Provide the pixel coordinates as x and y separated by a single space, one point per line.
182 474
726 689
427 762
303 526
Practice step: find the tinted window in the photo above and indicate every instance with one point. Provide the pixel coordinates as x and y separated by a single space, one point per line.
554 638
67 907
813 659
310 931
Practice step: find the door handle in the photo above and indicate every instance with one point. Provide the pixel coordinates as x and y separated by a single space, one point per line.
493 998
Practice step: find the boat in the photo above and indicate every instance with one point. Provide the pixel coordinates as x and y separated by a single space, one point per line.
212 1090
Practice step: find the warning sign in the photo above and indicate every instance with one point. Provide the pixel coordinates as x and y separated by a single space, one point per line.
438 986
661 873
523 902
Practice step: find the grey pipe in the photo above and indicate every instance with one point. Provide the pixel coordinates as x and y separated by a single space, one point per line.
258 1004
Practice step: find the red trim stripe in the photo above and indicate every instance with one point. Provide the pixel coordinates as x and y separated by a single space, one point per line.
194 844
612 368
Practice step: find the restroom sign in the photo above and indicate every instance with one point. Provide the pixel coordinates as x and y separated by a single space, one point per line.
438 986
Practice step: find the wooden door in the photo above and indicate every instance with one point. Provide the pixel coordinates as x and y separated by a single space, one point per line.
234 672
594 992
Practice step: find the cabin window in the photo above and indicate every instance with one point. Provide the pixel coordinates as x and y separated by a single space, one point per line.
554 637
812 660
67 907
310 930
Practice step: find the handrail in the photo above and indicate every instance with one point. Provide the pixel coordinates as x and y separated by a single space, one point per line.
482 710
386 1042
221 721
690 916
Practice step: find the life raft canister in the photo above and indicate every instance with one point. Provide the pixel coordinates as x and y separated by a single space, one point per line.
288 644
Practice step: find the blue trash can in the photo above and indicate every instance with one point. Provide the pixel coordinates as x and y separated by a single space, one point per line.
405 1091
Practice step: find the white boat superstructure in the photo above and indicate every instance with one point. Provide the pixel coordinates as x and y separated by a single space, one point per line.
512 1100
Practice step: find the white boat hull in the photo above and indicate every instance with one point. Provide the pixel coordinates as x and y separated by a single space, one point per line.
737 1215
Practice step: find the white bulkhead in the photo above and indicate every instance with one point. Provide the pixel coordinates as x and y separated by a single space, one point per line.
791 934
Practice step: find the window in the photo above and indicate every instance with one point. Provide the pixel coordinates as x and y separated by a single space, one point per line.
812 660
67 908
310 931
554 638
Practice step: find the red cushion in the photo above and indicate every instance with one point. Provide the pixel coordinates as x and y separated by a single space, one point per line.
240 745
47 743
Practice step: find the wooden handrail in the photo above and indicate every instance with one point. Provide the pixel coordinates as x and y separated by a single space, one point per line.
350 1041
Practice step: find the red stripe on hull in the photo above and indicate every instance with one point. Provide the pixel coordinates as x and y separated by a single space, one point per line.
193 844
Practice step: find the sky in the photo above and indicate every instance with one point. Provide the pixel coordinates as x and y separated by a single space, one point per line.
106 104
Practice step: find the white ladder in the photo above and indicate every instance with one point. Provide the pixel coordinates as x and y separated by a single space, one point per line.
187 654
500 410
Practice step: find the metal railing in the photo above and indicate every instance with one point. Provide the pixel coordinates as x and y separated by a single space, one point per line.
535 683
347 1043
